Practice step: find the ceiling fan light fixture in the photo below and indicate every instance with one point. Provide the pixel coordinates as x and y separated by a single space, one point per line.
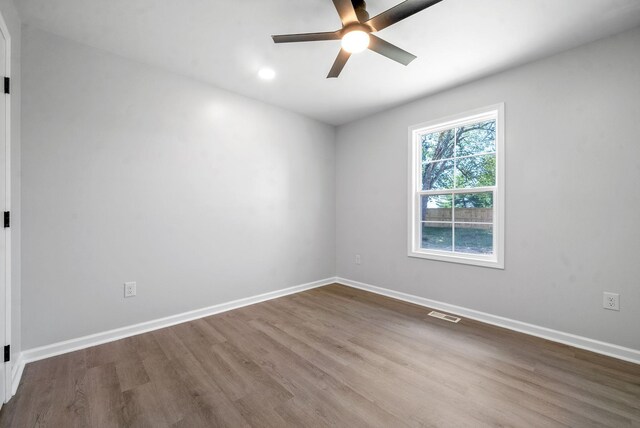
355 41
356 29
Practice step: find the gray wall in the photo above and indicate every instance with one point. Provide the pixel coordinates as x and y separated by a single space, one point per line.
12 20
573 159
134 174
202 196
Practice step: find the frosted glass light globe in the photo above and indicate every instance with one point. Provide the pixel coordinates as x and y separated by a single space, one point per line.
355 41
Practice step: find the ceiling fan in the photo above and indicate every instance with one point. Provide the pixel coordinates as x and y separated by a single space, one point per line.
357 28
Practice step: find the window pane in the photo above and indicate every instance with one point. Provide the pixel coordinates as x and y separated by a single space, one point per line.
438 145
436 236
474 207
476 138
436 207
474 238
437 175
476 171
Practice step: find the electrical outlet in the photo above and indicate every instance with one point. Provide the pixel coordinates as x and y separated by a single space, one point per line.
358 260
611 301
129 289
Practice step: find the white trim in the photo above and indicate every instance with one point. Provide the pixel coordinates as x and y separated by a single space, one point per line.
604 348
461 119
461 190
35 354
458 157
39 353
16 373
7 207
495 260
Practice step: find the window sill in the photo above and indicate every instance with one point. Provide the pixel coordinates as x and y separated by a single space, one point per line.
467 259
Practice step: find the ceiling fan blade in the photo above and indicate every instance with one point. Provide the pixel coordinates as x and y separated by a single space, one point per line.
306 37
339 63
393 52
399 12
346 11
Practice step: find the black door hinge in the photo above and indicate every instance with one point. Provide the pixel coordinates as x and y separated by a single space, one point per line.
7 219
7 85
7 353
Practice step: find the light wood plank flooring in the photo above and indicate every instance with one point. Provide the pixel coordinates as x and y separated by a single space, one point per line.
332 356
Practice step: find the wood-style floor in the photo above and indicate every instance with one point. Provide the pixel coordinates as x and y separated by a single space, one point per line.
332 356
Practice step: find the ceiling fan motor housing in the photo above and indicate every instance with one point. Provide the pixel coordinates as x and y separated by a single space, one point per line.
356 26
360 6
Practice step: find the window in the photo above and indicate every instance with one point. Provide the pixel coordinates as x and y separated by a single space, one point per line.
456 200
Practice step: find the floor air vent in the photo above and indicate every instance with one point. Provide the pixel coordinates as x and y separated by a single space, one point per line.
442 316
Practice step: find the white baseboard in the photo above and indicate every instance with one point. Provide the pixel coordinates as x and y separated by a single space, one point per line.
16 373
604 348
35 354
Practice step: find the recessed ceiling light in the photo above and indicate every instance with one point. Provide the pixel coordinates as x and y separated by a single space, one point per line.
266 73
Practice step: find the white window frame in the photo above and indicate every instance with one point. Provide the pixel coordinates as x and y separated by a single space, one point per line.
495 260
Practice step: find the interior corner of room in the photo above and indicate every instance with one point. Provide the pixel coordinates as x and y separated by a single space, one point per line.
199 205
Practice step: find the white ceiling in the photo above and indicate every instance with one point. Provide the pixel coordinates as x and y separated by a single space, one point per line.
225 43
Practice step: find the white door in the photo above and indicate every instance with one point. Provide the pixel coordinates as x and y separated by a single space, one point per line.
5 373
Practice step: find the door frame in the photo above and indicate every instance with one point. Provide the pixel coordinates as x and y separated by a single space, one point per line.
7 207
